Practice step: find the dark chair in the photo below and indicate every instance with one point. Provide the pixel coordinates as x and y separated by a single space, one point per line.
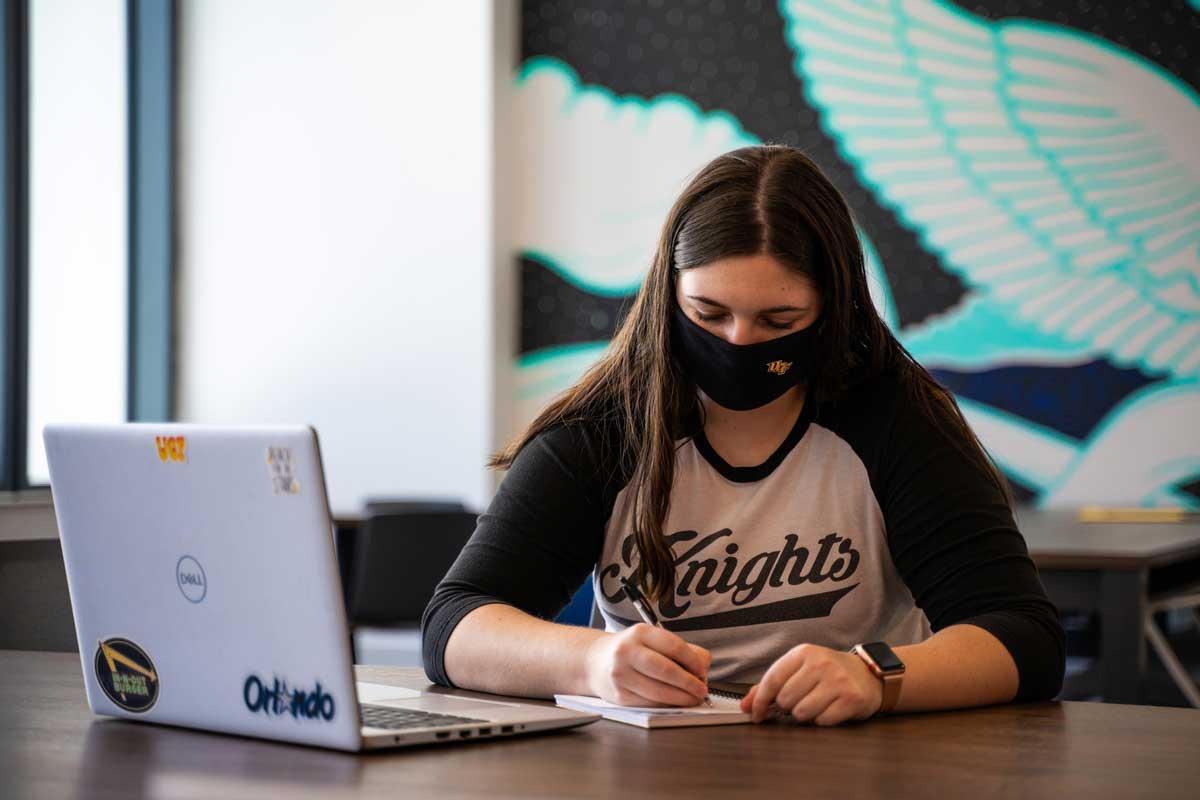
392 561
347 534
399 554
412 506
581 608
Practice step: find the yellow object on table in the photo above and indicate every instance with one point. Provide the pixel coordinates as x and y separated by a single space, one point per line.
1133 514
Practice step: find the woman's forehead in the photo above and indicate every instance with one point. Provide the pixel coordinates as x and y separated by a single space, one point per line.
748 282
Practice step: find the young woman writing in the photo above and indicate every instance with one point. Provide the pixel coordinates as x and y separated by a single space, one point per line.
759 454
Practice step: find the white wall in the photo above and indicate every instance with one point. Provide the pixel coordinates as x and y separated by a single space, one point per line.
335 253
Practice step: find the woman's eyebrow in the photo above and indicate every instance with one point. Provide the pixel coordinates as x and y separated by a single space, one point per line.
772 310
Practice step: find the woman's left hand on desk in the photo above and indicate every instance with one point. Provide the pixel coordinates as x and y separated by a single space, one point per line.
816 684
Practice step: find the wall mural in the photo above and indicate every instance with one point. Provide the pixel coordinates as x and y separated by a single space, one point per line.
1025 176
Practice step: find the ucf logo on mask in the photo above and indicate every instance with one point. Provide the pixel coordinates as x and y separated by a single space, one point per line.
779 367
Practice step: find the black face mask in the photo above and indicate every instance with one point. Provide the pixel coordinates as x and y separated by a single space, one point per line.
741 377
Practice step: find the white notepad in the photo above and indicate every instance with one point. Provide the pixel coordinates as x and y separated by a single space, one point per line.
723 711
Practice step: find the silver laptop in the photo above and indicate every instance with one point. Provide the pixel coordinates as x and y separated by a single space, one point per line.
205 590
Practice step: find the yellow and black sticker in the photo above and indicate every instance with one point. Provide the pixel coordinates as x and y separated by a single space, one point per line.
126 674
171 448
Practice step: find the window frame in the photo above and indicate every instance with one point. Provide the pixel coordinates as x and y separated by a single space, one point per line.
14 211
153 70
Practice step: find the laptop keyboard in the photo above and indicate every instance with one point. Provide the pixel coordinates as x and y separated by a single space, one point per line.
394 719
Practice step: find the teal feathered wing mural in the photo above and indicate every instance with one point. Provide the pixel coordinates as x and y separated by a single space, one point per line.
1060 178
1057 175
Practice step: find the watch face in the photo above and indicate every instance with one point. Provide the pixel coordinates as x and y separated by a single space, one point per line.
883 656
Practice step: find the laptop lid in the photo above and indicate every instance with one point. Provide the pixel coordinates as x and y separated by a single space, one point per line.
203 580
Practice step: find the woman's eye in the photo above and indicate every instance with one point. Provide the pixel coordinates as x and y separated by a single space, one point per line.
708 317
779 326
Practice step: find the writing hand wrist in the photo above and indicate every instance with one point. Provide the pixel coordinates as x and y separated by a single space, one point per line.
646 666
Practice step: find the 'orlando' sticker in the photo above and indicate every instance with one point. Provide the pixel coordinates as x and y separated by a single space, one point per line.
126 675
277 699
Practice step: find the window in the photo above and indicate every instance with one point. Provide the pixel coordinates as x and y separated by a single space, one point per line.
87 203
78 218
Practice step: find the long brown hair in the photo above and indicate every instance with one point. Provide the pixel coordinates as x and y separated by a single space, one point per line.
772 200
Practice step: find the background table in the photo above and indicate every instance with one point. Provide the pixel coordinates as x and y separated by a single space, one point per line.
1111 569
51 746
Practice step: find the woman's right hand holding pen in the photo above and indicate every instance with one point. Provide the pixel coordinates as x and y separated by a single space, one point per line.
647 666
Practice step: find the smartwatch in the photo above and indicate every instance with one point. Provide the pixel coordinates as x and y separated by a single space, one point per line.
885 665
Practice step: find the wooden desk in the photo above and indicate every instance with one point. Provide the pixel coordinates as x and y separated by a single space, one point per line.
51 746
1111 569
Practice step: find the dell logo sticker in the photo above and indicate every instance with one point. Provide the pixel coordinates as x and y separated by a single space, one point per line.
191 579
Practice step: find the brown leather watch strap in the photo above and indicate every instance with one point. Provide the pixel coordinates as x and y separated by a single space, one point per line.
891 680
891 692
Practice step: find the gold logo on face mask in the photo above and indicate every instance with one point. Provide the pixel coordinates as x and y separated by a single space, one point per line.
779 367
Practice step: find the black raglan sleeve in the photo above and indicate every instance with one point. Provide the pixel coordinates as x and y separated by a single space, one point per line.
956 545
539 538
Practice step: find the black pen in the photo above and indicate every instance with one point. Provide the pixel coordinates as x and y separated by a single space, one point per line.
646 612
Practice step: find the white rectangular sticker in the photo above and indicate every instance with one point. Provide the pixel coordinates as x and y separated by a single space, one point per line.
279 466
